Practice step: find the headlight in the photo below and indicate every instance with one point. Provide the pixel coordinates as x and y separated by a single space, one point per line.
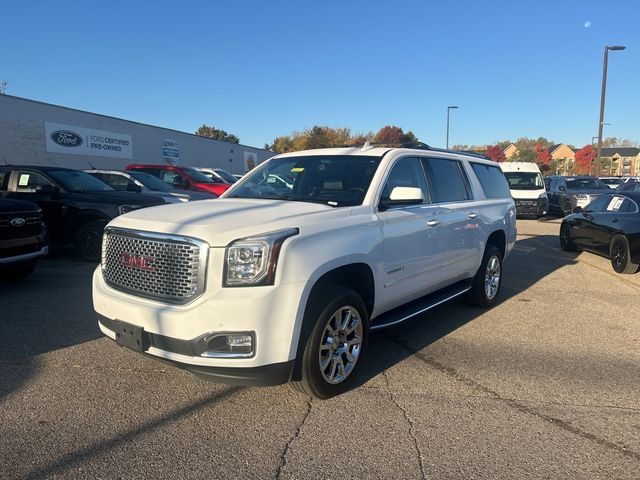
122 209
252 261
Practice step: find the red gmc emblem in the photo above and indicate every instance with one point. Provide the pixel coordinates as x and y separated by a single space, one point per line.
137 261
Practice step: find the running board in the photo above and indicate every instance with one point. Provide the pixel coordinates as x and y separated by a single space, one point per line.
421 305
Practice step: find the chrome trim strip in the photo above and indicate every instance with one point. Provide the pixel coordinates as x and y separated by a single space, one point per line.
422 310
25 256
168 238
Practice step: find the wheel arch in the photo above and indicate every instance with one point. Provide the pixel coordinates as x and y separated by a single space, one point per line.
357 276
499 239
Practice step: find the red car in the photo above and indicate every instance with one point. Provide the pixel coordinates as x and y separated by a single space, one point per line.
183 178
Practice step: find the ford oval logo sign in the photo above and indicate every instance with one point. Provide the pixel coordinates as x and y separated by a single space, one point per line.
66 138
17 222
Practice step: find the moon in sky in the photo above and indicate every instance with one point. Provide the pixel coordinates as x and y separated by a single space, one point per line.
587 24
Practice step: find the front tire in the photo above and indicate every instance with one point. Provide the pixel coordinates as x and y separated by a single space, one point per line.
487 282
567 209
566 243
88 241
620 255
336 344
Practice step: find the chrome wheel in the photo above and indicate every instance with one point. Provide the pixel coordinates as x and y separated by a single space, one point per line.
340 344
492 277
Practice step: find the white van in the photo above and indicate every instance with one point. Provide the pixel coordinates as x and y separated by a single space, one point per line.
527 188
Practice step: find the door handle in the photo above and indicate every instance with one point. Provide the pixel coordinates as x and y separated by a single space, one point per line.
473 215
615 220
433 223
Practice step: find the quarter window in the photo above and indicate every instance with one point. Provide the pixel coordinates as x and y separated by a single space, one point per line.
492 179
446 180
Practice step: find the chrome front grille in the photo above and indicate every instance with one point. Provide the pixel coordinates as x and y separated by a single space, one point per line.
164 267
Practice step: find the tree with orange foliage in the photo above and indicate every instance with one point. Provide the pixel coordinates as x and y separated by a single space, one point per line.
495 153
584 160
543 157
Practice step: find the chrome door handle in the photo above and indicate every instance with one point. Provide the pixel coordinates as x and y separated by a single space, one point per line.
433 223
473 215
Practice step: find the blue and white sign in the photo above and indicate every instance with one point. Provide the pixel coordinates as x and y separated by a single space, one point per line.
170 151
61 138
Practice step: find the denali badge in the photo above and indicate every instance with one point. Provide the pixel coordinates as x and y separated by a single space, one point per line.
137 261
66 138
18 222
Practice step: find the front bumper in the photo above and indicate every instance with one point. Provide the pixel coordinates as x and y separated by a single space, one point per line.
273 374
273 316
24 258
532 206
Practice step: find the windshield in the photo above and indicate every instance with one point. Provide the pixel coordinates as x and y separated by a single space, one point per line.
77 181
584 183
226 176
151 182
196 175
335 180
524 180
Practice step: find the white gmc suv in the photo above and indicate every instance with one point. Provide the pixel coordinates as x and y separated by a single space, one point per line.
283 277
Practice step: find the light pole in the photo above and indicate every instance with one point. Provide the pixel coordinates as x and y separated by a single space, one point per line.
448 110
602 96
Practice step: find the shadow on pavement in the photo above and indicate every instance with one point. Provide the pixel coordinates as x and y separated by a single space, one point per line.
49 310
423 330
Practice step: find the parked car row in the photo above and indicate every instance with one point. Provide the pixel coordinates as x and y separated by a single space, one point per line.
608 226
74 206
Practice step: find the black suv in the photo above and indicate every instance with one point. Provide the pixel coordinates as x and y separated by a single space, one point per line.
567 193
75 205
23 238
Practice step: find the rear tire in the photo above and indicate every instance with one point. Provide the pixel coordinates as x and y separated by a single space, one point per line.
620 255
336 344
88 241
487 282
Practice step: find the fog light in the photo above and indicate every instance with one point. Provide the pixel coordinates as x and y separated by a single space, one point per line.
225 345
239 341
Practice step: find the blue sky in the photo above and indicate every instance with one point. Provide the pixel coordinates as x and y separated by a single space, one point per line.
263 69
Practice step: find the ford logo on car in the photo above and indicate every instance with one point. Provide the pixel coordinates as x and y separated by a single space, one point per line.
66 138
17 222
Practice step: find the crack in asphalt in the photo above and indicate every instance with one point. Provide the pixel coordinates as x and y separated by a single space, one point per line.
411 425
296 434
514 404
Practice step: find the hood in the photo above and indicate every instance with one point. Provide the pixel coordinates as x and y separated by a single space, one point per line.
221 221
10 206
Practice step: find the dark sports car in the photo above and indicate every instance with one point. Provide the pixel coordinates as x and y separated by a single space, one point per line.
608 226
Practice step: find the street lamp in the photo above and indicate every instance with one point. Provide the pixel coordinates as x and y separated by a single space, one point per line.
602 96
449 108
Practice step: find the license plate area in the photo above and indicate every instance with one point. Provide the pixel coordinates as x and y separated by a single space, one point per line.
130 336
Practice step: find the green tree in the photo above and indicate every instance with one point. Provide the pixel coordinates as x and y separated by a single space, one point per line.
217 134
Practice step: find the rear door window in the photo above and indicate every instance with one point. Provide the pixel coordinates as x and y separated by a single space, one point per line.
447 181
492 179
31 181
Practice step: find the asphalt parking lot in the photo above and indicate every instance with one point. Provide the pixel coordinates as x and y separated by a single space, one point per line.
545 385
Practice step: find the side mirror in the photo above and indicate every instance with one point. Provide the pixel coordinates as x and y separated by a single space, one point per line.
402 196
577 210
561 188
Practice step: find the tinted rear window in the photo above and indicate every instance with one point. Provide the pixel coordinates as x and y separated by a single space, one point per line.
492 180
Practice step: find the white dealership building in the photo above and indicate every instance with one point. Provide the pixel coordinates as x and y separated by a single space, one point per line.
37 133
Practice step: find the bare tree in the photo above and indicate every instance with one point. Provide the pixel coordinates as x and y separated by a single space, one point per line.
3 87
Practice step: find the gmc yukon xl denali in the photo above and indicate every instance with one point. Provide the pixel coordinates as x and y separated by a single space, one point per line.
282 282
